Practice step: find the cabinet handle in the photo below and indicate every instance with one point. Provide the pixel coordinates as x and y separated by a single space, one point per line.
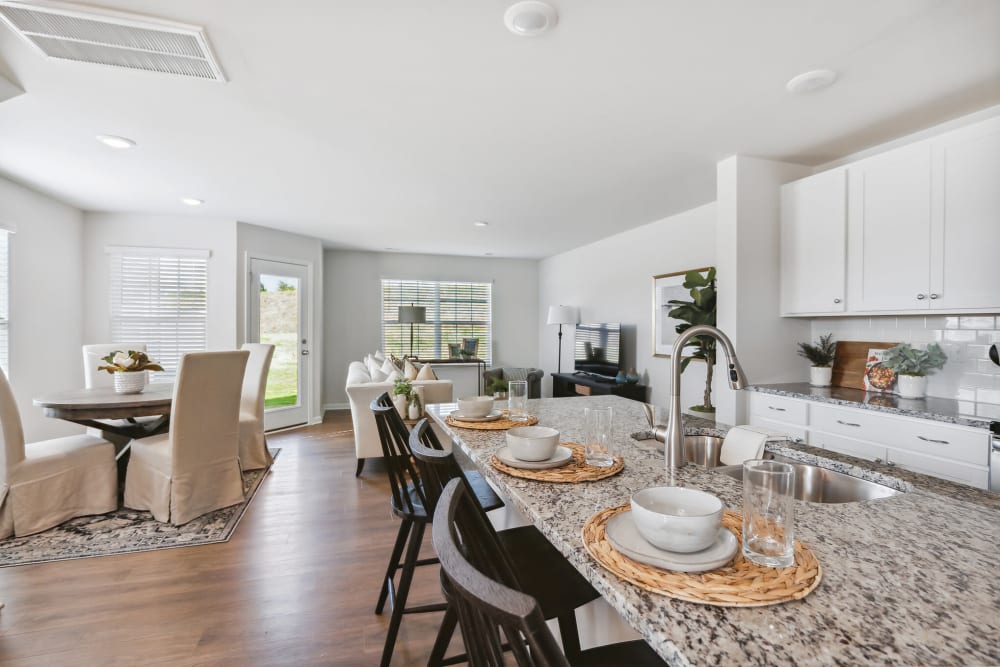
836 300
934 296
888 462
878 460
921 297
799 441
848 423
937 442
771 407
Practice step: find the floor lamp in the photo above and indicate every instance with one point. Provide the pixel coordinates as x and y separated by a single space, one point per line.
412 315
561 315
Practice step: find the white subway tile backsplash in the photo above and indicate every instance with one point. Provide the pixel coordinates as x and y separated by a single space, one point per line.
988 395
960 336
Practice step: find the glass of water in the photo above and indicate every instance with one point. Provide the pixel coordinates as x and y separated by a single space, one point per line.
768 513
517 401
599 441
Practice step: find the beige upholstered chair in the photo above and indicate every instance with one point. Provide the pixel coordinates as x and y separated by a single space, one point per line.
194 468
253 445
45 483
92 359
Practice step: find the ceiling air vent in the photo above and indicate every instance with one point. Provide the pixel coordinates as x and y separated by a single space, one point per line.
106 37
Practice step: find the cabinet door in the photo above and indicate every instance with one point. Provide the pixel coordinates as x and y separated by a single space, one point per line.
962 473
965 236
813 244
889 214
861 449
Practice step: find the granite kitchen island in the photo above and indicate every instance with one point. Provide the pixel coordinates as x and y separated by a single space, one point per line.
909 579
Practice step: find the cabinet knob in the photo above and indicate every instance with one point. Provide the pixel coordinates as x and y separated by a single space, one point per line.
934 296
921 297
836 300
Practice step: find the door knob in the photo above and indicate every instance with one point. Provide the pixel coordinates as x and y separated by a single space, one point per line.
305 353
934 296
836 300
921 297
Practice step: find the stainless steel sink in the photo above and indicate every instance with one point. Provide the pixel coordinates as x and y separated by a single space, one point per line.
704 450
820 485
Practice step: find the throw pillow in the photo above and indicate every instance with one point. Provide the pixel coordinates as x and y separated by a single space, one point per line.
409 370
378 375
388 367
394 375
396 361
372 366
426 373
378 356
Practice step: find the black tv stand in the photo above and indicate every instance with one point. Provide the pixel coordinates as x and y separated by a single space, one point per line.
596 376
575 384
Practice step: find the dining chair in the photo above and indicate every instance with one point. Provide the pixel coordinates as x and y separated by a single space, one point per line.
495 613
45 483
408 502
194 468
253 445
544 573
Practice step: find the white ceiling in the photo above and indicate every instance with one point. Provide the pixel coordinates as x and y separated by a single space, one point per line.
384 123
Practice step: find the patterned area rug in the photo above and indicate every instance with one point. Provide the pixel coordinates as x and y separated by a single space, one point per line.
127 531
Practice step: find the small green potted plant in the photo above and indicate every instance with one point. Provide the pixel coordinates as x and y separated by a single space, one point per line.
498 387
821 355
912 366
129 370
402 390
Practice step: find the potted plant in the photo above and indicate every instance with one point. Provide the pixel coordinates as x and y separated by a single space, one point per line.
498 387
821 356
129 370
912 366
699 310
402 390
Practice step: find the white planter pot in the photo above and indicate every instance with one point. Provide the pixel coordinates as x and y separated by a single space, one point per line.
130 383
401 404
820 376
911 386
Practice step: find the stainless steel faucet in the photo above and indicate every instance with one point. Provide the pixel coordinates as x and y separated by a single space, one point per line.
673 434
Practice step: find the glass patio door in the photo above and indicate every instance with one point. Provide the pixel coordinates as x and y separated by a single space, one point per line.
278 315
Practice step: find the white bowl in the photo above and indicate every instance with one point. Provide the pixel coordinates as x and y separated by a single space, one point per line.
532 443
475 406
673 518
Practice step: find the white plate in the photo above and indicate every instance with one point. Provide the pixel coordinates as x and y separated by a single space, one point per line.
492 417
561 457
625 537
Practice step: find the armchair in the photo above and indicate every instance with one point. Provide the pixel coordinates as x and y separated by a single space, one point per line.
532 375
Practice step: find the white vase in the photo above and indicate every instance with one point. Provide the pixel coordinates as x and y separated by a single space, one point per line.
399 400
130 382
413 411
820 376
911 386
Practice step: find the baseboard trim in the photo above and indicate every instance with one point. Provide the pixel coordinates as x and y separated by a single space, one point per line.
336 406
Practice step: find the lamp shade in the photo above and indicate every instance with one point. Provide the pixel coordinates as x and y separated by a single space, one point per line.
562 315
412 314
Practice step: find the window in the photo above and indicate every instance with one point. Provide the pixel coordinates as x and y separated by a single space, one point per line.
455 310
160 296
4 300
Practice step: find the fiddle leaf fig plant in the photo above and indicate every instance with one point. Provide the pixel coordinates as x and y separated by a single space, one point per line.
699 310
908 360
822 353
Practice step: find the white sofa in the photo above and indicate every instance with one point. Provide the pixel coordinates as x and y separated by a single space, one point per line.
361 391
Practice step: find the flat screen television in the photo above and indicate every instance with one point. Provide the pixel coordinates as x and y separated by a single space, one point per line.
598 349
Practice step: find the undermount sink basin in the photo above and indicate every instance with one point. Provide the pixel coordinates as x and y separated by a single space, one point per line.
704 450
819 485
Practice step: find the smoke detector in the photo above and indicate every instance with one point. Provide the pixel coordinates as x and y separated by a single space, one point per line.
116 39
530 18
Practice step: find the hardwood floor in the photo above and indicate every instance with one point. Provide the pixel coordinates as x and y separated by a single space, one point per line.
296 585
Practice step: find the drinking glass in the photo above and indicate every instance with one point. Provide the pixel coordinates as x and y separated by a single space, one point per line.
768 513
517 400
599 450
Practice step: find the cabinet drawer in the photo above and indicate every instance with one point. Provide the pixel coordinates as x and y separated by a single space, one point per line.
915 435
861 449
779 408
937 467
793 431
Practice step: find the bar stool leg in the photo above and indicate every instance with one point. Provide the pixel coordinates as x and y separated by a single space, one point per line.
390 572
399 604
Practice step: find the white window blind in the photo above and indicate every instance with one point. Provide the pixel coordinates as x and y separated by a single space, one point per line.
160 297
4 300
455 310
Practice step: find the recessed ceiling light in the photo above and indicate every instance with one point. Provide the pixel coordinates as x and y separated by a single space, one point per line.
114 141
481 223
530 18
191 201
807 82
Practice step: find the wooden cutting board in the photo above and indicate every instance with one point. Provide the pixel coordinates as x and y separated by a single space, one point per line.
849 362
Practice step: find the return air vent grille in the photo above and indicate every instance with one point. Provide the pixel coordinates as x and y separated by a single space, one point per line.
116 39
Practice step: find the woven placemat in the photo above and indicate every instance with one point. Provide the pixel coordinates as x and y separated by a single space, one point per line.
742 583
575 471
500 424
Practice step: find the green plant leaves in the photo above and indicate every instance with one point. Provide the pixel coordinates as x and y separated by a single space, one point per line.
908 360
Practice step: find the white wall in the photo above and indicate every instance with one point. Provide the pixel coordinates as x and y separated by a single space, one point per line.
101 230
611 280
352 321
265 243
46 308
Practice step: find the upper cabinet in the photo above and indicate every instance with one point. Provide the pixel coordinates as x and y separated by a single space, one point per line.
922 228
813 238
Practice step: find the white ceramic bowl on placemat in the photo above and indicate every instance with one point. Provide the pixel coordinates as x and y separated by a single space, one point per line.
677 519
625 538
475 406
532 443
561 457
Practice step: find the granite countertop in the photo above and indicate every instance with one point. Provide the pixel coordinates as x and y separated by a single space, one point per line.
951 411
907 579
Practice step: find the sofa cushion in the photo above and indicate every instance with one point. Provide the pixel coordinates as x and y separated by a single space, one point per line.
409 370
426 373
378 375
357 373
393 376
388 366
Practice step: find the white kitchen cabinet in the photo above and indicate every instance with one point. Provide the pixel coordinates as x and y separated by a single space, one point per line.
942 468
813 244
965 218
861 449
889 223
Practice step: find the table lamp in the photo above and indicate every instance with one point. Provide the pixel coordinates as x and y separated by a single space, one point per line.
561 315
412 315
